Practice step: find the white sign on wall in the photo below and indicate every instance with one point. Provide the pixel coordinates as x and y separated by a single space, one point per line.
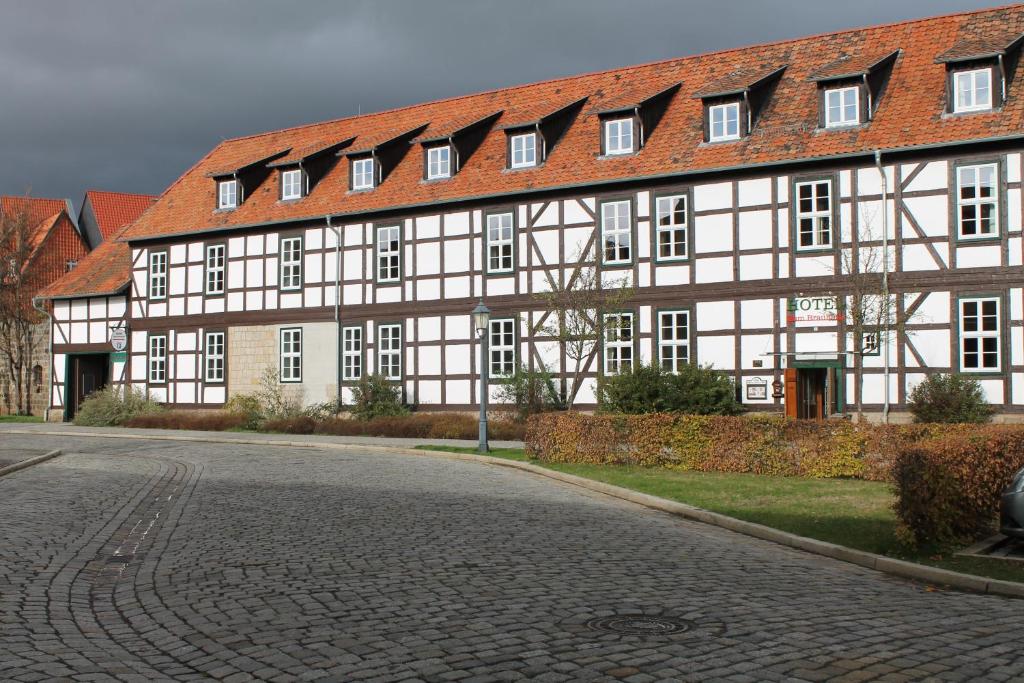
119 338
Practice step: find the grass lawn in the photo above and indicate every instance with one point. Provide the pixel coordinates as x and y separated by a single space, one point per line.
853 513
20 418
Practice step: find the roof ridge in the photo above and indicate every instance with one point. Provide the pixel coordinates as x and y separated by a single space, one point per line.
128 194
622 69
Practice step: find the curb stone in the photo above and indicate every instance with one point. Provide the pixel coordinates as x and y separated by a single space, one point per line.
881 563
11 469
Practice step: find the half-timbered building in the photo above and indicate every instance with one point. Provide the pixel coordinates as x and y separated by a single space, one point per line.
750 197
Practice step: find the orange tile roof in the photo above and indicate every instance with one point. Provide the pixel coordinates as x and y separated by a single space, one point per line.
990 44
849 66
36 209
114 210
104 270
910 114
53 237
740 80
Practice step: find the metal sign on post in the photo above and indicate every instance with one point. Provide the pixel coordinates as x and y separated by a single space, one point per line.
119 338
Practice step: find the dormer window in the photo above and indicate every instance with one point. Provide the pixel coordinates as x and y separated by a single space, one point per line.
618 136
439 162
724 122
292 184
523 150
363 173
227 194
842 107
972 90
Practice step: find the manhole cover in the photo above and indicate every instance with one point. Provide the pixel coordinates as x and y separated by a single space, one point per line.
639 625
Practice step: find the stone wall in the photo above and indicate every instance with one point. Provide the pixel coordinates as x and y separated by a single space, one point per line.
40 394
253 349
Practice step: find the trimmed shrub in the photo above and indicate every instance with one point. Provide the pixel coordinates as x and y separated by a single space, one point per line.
219 421
948 487
420 426
376 396
528 392
694 390
114 406
951 398
269 402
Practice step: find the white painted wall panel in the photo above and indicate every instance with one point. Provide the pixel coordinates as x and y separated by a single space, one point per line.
429 360
717 351
978 256
934 176
755 192
459 391
756 314
671 275
755 229
717 269
715 315
427 227
712 197
931 214
713 233
756 267
428 259
573 212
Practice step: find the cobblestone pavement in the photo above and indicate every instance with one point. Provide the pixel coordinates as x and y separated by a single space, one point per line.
144 560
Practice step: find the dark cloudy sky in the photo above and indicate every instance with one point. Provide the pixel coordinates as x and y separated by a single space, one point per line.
126 94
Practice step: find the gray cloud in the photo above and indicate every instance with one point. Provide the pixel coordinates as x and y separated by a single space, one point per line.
125 95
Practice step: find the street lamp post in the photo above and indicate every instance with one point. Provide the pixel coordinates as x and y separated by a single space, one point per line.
481 320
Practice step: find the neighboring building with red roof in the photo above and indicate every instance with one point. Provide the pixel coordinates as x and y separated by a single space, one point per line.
105 213
732 190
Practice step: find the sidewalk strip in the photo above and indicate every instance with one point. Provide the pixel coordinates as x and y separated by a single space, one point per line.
11 469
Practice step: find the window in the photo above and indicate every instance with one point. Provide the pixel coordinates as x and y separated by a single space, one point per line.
618 343
227 194
439 162
724 121
291 263
618 136
499 243
502 347
362 173
979 335
673 340
842 107
977 203
157 274
617 232
671 227
524 150
214 357
215 269
389 246
814 214
351 353
291 355
70 265
389 351
158 359
972 90
291 184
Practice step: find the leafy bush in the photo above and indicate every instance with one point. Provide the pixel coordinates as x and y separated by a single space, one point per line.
693 390
528 392
948 487
376 396
114 406
417 425
269 402
209 421
949 398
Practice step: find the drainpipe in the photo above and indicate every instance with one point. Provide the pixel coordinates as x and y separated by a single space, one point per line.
36 304
337 304
885 279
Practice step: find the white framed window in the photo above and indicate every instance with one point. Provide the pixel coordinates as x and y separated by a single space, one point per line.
979 335
389 253
291 354
618 343
618 136
977 197
671 227
439 162
524 150
500 236
814 214
363 174
724 121
157 274
502 348
673 340
351 353
842 107
227 194
158 359
215 269
972 90
389 351
291 184
617 232
291 263
214 357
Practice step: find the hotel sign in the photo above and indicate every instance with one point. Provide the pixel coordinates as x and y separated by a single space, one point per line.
813 309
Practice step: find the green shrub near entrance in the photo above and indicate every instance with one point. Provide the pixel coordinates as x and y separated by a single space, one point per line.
114 406
949 398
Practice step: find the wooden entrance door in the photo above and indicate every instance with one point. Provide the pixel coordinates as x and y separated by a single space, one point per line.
88 374
811 393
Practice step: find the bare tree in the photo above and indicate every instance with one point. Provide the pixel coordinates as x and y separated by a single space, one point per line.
574 317
18 318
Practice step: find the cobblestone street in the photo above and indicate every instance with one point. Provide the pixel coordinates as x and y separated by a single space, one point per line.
147 560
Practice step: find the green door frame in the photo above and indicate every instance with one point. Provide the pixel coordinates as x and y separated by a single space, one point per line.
840 367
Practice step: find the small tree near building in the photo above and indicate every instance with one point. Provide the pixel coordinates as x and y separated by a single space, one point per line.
18 318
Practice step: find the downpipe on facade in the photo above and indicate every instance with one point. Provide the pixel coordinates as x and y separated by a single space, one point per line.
337 307
885 282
